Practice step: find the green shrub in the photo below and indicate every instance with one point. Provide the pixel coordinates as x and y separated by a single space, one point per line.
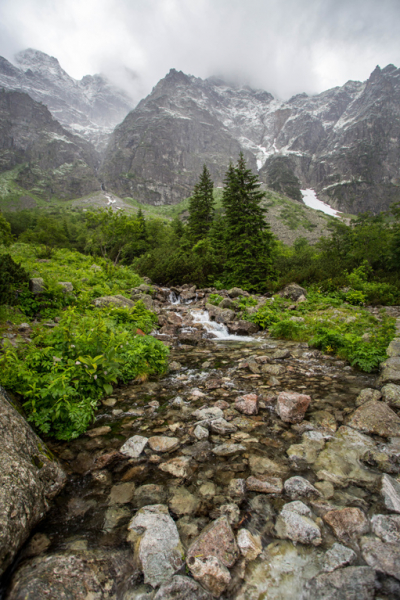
215 299
355 297
12 275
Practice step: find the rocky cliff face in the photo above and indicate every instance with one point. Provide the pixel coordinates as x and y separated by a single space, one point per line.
48 160
344 142
91 107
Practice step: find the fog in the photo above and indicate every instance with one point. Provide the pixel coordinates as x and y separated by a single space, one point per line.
283 46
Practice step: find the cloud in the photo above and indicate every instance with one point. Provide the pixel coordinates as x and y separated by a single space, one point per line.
283 46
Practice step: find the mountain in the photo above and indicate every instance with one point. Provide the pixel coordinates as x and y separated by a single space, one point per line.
344 142
39 154
91 107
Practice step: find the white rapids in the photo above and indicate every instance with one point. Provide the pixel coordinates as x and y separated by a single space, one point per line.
218 329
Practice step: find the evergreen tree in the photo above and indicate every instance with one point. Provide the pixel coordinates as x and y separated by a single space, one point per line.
201 207
249 240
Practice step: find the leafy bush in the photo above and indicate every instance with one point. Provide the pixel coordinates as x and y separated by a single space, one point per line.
63 374
215 299
355 297
12 275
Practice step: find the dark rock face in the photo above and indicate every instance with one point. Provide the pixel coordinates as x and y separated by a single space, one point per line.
91 107
29 479
51 160
343 142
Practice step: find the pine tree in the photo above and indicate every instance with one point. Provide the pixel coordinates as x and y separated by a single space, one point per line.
249 240
201 207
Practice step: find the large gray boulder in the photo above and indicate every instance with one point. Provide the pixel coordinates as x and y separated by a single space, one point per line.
29 478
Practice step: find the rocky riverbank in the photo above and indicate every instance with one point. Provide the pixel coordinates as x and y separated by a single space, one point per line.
256 468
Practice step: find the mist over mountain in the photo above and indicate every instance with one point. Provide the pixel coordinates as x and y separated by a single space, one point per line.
343 143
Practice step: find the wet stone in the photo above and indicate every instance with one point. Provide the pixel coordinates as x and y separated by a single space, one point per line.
247 404
350 583
222 427
158 549
206 414
297 487
261 465
390 489
383 557
366 395
375 417
216 540
291 406
249 545
237 488
295 523
181 588
178 467
134 446
183 502
97 431
201 433
323 419
210 572
149 494
338 556
347 523
228 449
391 394
163 444
264 484
387 527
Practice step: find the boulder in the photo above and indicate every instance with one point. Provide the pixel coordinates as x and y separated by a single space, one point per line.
242 328
347 522
29 478
366 395
350 583
227 303
293 291
67 286
236 292
90 574
216 540
36 285
181 588
338 556
391 394
291 406
145 298
387 527
116 300
390 489
383 557
157 547
295 523
377 418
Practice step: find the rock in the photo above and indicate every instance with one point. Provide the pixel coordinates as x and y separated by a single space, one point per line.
261 465
294 523
227 303
161 443
297 487
391 394
36 285
366 395
183 502
178 467
237 488
249 545
145 298
293 291
387 527
326 489
206 414
208 490
201 433
339 462
281 353
158 549
216 540
307 452
116 300
36 545
174 365
228 449
222 427
211 573
338 556
390 489
149 494
384 558
67 286
350 583
74 576
97 431
236 292
248 404
273 369
231 512
323 419
134 446
291 406
375 417
264 484
29 478
347 522
121 493
181 588
114 516
242 328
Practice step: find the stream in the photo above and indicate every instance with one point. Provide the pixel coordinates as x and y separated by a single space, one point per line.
106 488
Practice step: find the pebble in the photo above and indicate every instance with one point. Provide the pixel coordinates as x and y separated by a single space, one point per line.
159 443
134 446
291 406
200 432
228 449
178 467
264 484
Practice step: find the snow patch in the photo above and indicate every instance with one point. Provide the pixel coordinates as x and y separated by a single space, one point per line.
310 199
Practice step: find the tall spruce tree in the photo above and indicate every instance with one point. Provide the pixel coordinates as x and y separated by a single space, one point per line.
201 207
249 240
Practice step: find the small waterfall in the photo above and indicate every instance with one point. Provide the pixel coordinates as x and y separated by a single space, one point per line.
218 329
174 298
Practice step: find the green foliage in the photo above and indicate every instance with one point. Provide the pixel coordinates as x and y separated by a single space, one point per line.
63 373
281 177
215 299
201 207
5 232
249 241
355 297
12 275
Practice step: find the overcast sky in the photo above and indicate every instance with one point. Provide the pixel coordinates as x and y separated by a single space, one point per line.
283 46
